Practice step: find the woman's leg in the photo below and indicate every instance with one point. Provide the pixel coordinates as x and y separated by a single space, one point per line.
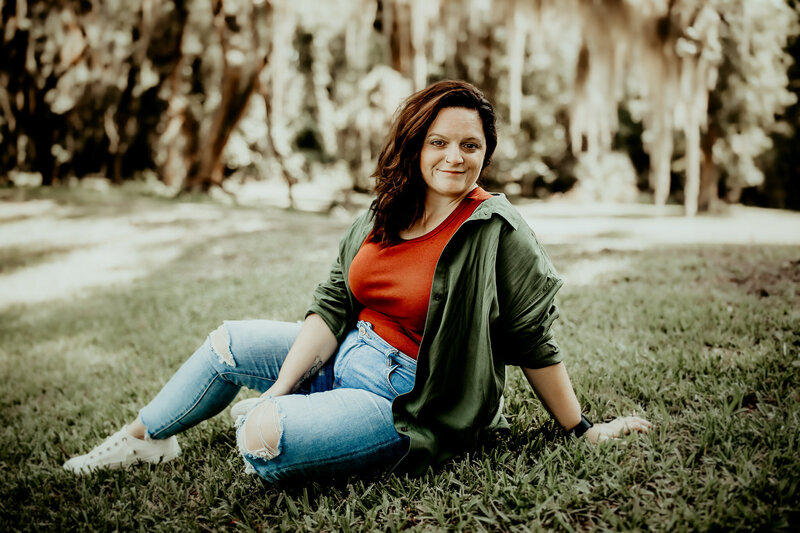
322 435
237 354
339 432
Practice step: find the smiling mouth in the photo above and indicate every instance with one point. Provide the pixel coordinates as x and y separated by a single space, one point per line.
452 171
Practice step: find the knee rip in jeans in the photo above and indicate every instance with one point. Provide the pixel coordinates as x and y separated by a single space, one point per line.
221 345
261 431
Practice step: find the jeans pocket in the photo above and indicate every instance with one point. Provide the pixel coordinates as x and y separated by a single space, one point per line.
390 369
399 379
340 364
342 357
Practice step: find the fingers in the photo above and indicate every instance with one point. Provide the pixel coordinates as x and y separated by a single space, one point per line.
635 423
629 424
618 427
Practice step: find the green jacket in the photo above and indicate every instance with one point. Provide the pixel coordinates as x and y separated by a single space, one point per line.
491 305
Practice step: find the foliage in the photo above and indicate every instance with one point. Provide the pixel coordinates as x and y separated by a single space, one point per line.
753 89
781 187
703 341
197 92
79 85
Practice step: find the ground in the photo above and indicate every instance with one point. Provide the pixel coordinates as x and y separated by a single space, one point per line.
65 252
693 323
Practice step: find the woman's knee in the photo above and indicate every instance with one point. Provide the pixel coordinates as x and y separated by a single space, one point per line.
261 431
242 343
220 341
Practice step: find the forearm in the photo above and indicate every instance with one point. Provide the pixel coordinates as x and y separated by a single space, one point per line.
553 387
313 347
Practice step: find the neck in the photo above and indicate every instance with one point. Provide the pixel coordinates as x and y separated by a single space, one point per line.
437 210
439 207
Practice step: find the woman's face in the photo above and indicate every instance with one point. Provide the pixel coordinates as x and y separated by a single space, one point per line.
452 153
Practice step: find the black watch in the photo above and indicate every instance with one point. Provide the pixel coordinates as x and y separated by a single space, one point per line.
581 428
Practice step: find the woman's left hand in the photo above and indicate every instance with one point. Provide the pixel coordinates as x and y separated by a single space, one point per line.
619 426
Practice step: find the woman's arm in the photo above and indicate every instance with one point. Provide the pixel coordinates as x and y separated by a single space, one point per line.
313 347
553 387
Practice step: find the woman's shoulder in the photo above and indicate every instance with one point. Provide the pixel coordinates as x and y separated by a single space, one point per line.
515 235
364 221
359 228
498 205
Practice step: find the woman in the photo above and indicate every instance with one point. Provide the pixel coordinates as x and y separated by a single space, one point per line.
401 358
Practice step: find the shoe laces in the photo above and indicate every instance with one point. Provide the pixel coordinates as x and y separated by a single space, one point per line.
106 447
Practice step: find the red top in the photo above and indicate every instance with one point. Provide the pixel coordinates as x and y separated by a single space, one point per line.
393 283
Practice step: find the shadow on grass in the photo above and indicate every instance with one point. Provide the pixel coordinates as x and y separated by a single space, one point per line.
14 258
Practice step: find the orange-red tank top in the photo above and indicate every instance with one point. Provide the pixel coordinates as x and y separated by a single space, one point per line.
393 283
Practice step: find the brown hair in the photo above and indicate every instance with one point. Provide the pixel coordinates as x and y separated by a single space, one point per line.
399 186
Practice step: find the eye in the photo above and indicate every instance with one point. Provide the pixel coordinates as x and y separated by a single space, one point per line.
471 146
437 142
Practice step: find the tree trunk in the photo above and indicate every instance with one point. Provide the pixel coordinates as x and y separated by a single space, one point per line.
691 189
241 67
708 196
516 61
272 84
24 88
418 29
42 133
660 164
489 82
320 81
206 168
272 146
400 37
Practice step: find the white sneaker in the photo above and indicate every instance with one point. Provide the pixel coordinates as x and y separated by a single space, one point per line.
243 407
121 450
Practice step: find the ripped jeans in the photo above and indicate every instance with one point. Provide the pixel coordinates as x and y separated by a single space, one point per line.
339 422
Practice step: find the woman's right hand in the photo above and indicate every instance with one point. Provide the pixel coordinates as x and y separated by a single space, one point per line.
617 427
277 389
314 345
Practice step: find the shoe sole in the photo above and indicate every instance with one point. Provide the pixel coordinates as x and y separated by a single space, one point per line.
150 459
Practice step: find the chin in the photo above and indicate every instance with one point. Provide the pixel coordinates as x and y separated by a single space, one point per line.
455 192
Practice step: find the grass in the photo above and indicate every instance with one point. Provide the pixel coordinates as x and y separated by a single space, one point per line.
704 341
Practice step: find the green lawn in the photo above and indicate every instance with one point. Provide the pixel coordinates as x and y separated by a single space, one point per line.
703 341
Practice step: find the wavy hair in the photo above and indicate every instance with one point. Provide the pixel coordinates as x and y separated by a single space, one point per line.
399 186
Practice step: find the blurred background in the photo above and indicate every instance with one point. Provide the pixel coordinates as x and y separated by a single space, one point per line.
692 102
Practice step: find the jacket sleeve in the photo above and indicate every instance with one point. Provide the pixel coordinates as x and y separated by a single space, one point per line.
526 287
331 299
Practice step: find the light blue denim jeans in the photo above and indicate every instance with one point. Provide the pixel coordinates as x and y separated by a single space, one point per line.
338 423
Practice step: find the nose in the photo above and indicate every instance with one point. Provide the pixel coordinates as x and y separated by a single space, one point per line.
453 154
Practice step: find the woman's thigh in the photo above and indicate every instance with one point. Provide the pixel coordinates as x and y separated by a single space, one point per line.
237 354
322 435
366 361
342 431
250 353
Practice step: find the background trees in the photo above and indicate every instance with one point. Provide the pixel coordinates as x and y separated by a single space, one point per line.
682 97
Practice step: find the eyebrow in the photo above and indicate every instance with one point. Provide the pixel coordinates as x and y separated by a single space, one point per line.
468 139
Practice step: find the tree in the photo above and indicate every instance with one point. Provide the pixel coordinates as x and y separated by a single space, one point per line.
242 35
781 187
752 91
116 88
75 80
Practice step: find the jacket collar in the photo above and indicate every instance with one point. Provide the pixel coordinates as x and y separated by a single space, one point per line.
499 205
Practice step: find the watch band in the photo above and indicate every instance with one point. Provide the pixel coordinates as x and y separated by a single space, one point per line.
581 428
